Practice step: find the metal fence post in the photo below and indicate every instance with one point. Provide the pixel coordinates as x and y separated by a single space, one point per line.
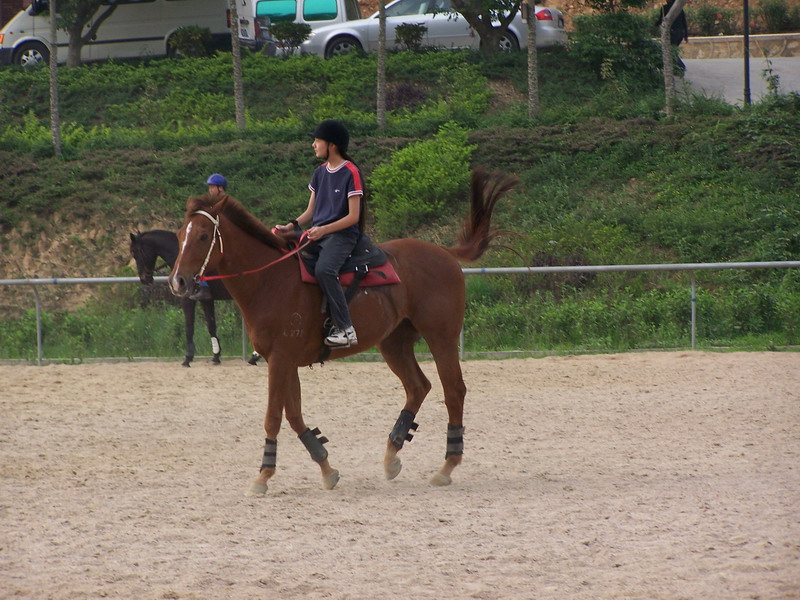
39 351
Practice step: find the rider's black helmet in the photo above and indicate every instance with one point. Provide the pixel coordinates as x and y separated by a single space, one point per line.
334 132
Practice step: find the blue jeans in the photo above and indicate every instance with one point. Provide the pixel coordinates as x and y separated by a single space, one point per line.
333 250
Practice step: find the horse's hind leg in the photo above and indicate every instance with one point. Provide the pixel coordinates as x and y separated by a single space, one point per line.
211 324
445 354
398 352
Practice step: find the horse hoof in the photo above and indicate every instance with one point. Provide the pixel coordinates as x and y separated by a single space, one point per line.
257 490
186 364
216 361
329 482
393 469
440 479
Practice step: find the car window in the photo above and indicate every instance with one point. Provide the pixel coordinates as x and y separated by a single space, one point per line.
277 10
407 7
319 10
352 10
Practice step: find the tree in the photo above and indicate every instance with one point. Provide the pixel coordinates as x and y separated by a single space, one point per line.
381 75
238 85
666 54
74 15
533 61
55 117
481 15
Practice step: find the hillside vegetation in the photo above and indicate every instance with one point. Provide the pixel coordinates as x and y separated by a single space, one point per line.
604 179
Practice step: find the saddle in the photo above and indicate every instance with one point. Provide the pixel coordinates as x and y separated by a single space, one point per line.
367 266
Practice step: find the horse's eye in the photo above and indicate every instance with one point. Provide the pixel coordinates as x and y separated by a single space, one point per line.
203 237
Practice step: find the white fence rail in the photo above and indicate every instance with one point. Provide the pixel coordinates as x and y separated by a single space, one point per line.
36 282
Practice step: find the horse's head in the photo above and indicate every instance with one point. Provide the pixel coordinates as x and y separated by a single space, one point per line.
199 244
145 257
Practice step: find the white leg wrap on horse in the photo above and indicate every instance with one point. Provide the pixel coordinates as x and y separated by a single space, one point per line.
214 345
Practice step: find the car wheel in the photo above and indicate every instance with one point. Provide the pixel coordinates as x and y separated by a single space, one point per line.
31 54
342 45
509 42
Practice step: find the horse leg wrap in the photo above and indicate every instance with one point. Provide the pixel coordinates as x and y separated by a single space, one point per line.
214 345
400 432
270 452
314 444
455 440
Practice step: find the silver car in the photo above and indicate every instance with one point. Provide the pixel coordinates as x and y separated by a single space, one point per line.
445 29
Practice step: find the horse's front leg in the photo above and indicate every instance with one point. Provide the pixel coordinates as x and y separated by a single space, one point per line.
188 307
311 438
284 395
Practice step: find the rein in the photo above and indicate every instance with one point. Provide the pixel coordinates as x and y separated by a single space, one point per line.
303 242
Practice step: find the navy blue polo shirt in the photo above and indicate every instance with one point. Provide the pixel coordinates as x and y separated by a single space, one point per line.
332 191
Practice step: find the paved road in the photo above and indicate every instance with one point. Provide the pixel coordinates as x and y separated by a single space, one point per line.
724 77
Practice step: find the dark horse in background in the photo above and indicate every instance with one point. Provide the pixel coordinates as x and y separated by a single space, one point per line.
284 322
146 249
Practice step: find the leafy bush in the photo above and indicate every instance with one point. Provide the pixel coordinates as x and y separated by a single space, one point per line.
777 17
420 182
290 35
617 46
410 35
190 41
708 20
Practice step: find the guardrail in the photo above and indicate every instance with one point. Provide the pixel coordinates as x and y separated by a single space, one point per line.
467 271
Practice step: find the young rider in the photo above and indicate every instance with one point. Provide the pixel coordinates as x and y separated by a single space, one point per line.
334 213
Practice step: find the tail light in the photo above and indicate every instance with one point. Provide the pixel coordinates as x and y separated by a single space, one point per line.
544 15
2 37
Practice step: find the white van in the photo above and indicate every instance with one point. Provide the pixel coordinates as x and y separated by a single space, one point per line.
137 28
255 16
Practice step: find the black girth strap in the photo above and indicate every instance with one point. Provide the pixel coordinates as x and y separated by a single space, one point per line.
400 432
270 452
314 444
455 440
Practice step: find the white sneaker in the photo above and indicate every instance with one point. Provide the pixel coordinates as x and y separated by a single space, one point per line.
342 338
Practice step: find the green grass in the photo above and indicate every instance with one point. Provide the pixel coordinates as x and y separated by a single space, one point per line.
605 178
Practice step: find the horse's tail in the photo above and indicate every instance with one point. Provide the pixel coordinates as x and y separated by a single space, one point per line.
476 233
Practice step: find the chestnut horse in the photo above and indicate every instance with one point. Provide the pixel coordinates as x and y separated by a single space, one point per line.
283 318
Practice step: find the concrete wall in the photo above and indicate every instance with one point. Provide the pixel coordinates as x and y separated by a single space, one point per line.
732 46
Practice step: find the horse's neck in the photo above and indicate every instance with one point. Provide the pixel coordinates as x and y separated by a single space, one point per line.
166 246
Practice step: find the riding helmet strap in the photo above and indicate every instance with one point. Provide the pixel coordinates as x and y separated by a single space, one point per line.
270 452
400 432
455 440
314 444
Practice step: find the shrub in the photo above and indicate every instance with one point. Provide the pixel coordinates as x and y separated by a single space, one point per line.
410 35
617 46
420 182
290 35
191 41
708 20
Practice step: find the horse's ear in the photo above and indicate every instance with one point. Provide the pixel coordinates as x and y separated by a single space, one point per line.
133 237
220 206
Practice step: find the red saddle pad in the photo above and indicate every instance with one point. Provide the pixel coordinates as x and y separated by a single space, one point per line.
381 275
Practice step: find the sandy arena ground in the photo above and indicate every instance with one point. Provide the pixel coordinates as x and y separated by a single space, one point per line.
652 475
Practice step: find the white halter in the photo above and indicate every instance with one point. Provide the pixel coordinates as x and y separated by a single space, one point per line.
217 234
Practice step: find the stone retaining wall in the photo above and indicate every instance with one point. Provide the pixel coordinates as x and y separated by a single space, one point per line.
732 46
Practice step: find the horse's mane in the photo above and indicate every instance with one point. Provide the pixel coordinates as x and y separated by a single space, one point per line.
239 216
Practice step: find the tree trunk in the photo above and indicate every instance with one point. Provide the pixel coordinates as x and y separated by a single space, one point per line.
666 55
533 63
381 91
75 46
238 86
55 118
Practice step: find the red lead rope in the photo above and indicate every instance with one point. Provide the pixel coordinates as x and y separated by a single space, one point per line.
302 243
